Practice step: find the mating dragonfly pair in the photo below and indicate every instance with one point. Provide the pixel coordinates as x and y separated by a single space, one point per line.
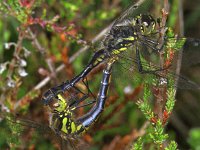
131 36
126 38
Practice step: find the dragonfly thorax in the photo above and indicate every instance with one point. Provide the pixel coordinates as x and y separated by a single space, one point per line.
125 34
120 38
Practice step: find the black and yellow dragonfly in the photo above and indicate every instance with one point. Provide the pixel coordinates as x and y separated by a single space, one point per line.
132 35
62 113
134 40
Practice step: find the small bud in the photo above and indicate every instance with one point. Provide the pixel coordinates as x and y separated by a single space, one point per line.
26 52
22 63
2 68
7 46
22 72
5 108
11 83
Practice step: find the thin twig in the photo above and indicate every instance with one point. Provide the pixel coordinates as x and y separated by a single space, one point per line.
162 91
142 130
181 26
18 48
42 50
127 141
62 66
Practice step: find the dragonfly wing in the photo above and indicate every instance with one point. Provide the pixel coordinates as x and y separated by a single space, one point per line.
128 65
27 125
189 64
133 10
140 7
191 52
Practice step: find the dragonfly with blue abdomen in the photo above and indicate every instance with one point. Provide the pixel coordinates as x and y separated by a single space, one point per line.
135 35
62 112
133 42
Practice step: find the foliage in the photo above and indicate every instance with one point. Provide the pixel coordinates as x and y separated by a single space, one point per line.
158 119
40 39
171 146
138 145
194 137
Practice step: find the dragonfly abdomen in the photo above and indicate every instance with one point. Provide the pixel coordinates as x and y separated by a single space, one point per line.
88 119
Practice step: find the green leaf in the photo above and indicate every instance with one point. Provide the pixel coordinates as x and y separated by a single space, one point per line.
138 145
171 146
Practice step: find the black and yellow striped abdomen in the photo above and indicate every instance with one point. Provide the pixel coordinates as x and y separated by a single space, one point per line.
65 125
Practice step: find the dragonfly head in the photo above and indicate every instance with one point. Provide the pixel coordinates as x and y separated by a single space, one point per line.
57 104
146 23
51 95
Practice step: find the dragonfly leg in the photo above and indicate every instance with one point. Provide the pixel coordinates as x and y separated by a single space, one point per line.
88 103
84 97
140 67
87 86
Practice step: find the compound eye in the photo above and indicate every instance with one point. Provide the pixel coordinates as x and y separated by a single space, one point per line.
47 97
145 24
56 105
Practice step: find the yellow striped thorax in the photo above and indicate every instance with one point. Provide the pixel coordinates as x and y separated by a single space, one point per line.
124 34
65 125
100 58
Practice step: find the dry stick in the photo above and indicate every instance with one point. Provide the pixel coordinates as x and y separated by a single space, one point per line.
174 119
162 91
139 133
160 100
17 50
62 66
42 50
142 130
126 142
181 23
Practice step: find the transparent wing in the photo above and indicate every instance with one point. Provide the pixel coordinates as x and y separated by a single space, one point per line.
128 66
25 133
22 128
140 7
133 10
191 53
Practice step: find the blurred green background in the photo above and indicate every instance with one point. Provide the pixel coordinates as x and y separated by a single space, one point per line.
33 45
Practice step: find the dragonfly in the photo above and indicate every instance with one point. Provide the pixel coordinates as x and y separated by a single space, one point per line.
132 37
62 119
100 56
